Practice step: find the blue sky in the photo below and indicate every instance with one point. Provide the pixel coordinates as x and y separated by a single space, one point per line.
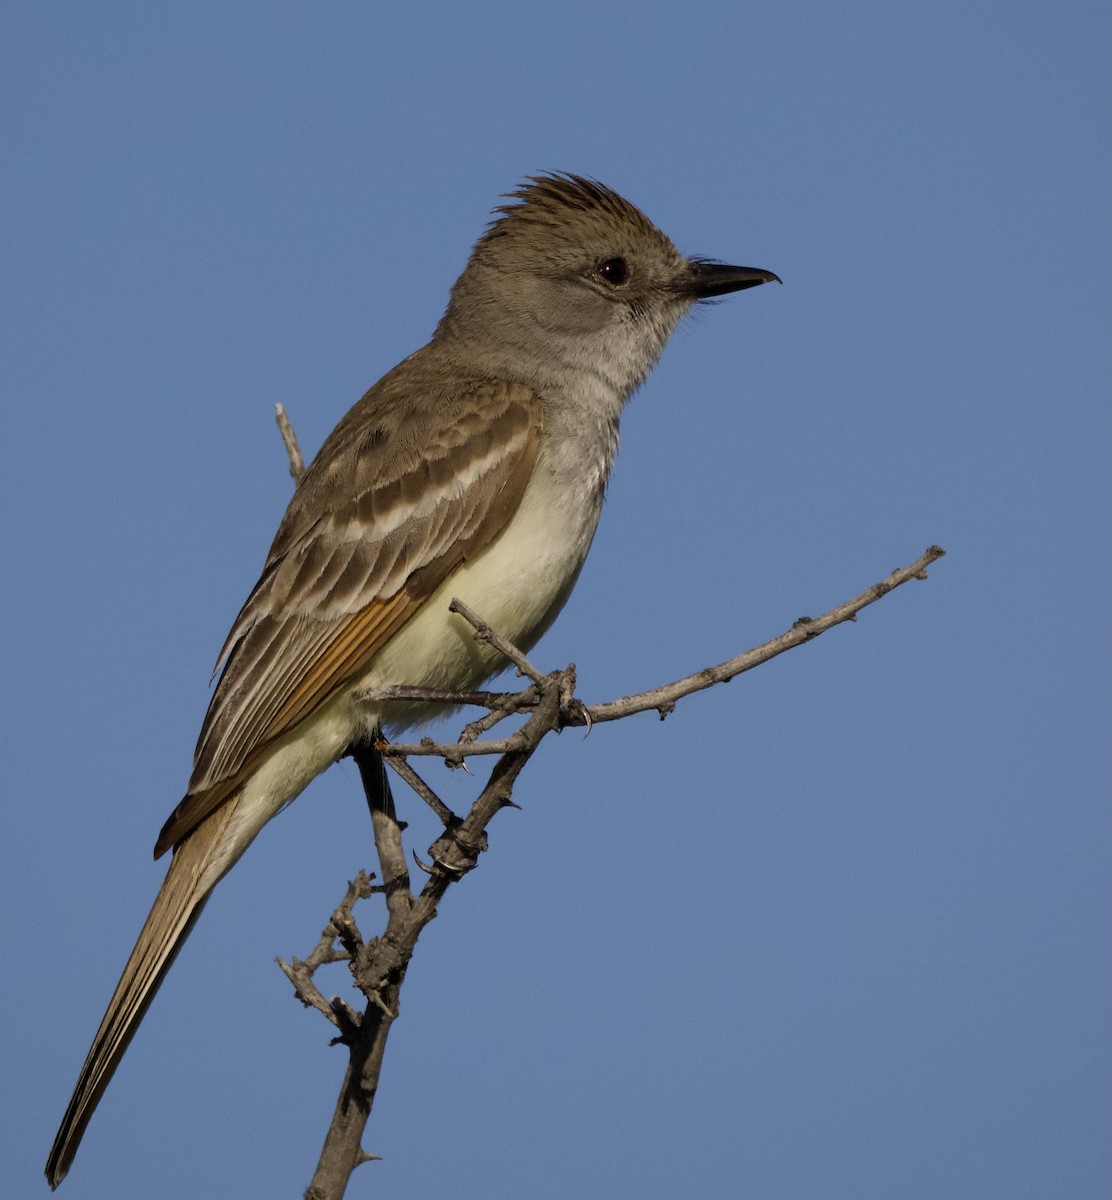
837 931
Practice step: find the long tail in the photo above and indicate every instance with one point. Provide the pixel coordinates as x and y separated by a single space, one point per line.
194 872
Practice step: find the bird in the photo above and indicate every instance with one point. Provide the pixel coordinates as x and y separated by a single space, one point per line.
476 468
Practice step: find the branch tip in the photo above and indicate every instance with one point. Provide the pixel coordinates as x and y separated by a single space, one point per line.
289 440
379 965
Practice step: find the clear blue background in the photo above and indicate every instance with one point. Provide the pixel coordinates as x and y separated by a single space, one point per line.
839 930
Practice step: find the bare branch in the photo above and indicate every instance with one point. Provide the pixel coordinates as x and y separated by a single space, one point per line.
378 966
665 697
453 753
387 830
406 772
806 629
289 440
341 927
485 633
478 699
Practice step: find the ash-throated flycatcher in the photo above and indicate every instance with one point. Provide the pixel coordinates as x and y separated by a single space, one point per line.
476 468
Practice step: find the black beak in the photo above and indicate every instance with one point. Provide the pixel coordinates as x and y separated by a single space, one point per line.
706 279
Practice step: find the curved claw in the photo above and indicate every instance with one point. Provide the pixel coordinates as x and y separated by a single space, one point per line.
428 868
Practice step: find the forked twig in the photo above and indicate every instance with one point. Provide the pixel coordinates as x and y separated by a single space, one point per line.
378 966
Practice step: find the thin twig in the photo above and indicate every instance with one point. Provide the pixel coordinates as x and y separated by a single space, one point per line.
478 699
341 926
806 629
484 633
406 772
379 965
664 698
453 753
289 440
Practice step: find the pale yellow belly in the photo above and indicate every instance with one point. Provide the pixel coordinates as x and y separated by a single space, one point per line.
517 584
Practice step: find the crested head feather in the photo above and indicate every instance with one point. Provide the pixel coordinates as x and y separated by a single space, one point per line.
551 199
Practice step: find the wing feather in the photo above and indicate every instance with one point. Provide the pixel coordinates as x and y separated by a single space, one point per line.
409 485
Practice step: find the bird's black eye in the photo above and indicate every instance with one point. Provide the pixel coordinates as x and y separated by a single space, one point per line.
614 270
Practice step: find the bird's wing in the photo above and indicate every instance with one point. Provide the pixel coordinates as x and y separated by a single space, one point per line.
399 496
407 487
